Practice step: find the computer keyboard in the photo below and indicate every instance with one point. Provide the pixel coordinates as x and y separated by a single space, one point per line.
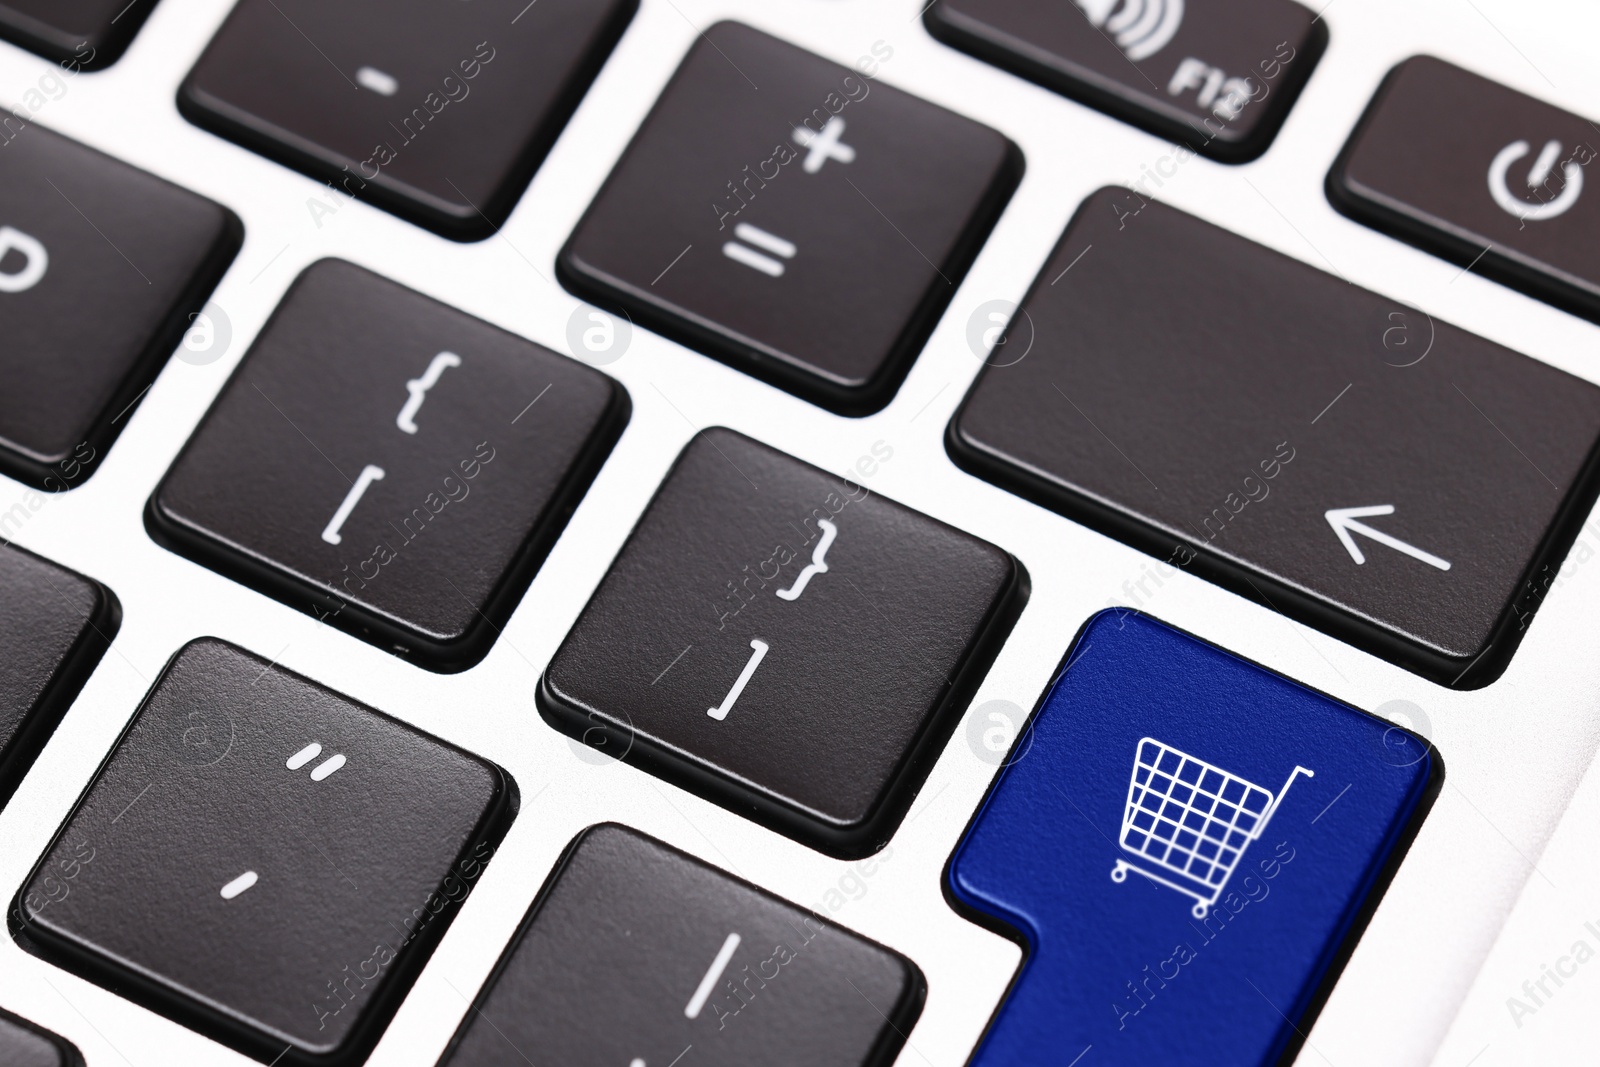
1011 503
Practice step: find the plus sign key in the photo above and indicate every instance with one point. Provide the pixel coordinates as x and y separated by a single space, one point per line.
797 219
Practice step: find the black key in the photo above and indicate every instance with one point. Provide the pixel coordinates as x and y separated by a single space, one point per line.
438 112
392 465
54 627
1216 75
634 952
1502 192
1352 462
264 860
24 1045
78 34
784 642
101 269
796 219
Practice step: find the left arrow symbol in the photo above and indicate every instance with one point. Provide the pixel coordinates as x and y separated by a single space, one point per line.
1343 521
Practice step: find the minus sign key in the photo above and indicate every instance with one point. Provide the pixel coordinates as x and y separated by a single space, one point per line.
239 885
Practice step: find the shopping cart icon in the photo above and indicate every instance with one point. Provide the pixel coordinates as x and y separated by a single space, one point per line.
1191 821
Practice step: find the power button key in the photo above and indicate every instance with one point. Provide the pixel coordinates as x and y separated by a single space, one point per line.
1481 175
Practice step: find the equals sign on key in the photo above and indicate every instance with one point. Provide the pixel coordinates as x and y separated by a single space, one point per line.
763 240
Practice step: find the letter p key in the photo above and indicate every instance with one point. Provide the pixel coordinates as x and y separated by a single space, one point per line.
37 260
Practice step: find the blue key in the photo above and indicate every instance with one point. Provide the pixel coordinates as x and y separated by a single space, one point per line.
1183 841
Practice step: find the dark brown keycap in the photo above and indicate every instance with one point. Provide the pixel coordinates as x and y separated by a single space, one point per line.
78 34
264 860
24 1045
391 465
1481 175
1342 457
437 111
635 953
1216 75
101 269
785 642
802 221
54 627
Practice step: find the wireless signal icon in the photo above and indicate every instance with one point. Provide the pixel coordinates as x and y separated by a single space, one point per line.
1141 28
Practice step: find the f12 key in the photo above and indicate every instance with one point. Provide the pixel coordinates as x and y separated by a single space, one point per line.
1503 194
1216 75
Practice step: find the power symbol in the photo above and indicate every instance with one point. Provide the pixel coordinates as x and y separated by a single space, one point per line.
1519 208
